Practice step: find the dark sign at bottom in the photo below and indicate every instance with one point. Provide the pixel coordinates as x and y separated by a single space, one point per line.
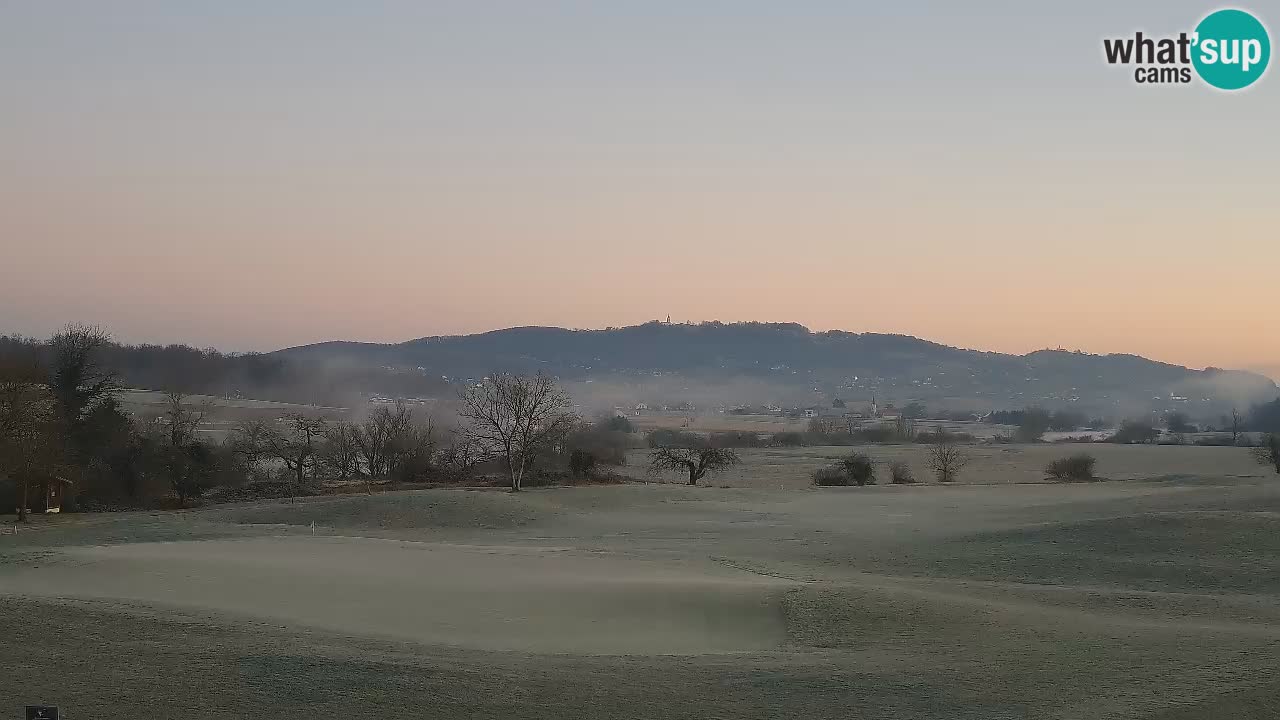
42 712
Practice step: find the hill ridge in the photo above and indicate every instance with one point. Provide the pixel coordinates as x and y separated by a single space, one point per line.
830 361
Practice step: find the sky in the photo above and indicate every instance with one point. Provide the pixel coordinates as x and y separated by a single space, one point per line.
254 175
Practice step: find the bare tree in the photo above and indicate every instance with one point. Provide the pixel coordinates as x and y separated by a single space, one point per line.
374 439
904 427
516 417
392 442
294 440
946 457
1237 426
696 461
181 419
1268 453
340 451
407 444
189 462
411 449
30 444
462 453
249 442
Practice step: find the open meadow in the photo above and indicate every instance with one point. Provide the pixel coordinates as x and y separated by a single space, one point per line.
1139 599
220 415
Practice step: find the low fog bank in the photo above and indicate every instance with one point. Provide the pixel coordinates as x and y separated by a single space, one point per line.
1207 396
598 395
1225 389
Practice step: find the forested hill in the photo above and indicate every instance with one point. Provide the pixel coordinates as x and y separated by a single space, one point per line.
782 362
793 354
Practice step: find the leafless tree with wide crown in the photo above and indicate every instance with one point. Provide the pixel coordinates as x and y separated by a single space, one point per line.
515 417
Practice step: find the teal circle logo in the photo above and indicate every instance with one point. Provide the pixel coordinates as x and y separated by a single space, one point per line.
1232 49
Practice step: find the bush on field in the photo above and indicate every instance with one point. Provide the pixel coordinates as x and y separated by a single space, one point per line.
875 435
607 447
788 439
665 438
736 439
1132 432
1268 451
854 469
839 438
900 473
862 436
582 462
860 468
617 423
1072 467
942 435
832 476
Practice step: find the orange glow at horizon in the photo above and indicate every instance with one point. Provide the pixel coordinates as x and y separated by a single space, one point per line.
435 173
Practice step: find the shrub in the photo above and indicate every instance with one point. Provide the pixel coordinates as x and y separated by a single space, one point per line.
931 438
1035 421
581 463
1132 432
941 434
1268 451
836 438
860 468
788 439
854 469
608 447
1072 467
832 476
880 434
900 473
617 423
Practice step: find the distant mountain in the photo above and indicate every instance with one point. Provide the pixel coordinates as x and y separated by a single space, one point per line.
835 364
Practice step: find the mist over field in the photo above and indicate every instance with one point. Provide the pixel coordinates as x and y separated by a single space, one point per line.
703 393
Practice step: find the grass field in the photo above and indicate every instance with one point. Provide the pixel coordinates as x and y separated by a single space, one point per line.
1138 599
158 400
220 415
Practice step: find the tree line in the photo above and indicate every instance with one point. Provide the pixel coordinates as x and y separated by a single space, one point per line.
61 421
207 371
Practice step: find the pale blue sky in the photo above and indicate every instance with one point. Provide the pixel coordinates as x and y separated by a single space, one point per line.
260 174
